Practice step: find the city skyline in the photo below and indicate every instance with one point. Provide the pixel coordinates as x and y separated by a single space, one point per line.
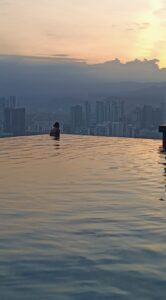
106 117
91 30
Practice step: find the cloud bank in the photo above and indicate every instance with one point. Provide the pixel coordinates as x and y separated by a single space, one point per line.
61 76
58 65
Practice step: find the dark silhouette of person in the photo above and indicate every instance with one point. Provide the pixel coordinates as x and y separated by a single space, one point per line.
55 131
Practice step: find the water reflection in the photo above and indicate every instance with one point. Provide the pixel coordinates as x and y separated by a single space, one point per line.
81 219
57 144
163 163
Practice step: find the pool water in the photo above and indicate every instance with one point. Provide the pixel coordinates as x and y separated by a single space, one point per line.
82 218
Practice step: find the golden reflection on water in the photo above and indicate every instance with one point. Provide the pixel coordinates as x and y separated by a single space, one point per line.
106 164
90 201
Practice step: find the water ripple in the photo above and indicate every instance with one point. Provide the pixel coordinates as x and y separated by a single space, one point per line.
82 218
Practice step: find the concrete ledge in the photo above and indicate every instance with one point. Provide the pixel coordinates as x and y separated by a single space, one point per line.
162 128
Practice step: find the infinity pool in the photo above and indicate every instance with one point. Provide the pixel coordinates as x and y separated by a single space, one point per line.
82 218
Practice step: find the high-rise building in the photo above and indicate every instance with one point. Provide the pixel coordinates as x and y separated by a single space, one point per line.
136 118
107 111
76 115
102 130
11 102
130 131
157 117
99 112
117 111
14 121
121 111
2 112
147 116
114 111
87 114
117 129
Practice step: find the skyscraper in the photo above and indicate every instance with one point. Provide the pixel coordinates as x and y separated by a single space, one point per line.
11 102
107 111
114 111
117 111
14 121
76 116
136 117
147 116
99 112
2 111
121 111
87 114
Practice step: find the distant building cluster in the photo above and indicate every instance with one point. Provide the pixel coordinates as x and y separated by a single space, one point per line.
110 118
12 117
39 123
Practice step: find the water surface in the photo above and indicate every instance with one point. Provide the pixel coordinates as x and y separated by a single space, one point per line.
82 218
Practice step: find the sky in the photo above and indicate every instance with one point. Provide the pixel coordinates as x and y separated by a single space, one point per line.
93 30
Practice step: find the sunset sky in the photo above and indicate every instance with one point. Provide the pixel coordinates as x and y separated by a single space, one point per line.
93 30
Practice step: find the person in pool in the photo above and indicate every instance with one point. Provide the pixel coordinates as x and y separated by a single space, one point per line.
55 131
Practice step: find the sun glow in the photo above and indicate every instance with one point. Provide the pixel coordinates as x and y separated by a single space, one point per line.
92 30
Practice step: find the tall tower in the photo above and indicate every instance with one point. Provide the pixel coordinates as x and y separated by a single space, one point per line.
107 111
2 113
99 112
87 114
14 122
76 116
114 111
11 102
121 111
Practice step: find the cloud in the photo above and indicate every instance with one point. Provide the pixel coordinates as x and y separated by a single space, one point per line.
60 55
136 70
137 26
162 11
67 58
54 59
38 79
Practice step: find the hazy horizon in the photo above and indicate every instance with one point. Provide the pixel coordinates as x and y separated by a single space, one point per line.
47 80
